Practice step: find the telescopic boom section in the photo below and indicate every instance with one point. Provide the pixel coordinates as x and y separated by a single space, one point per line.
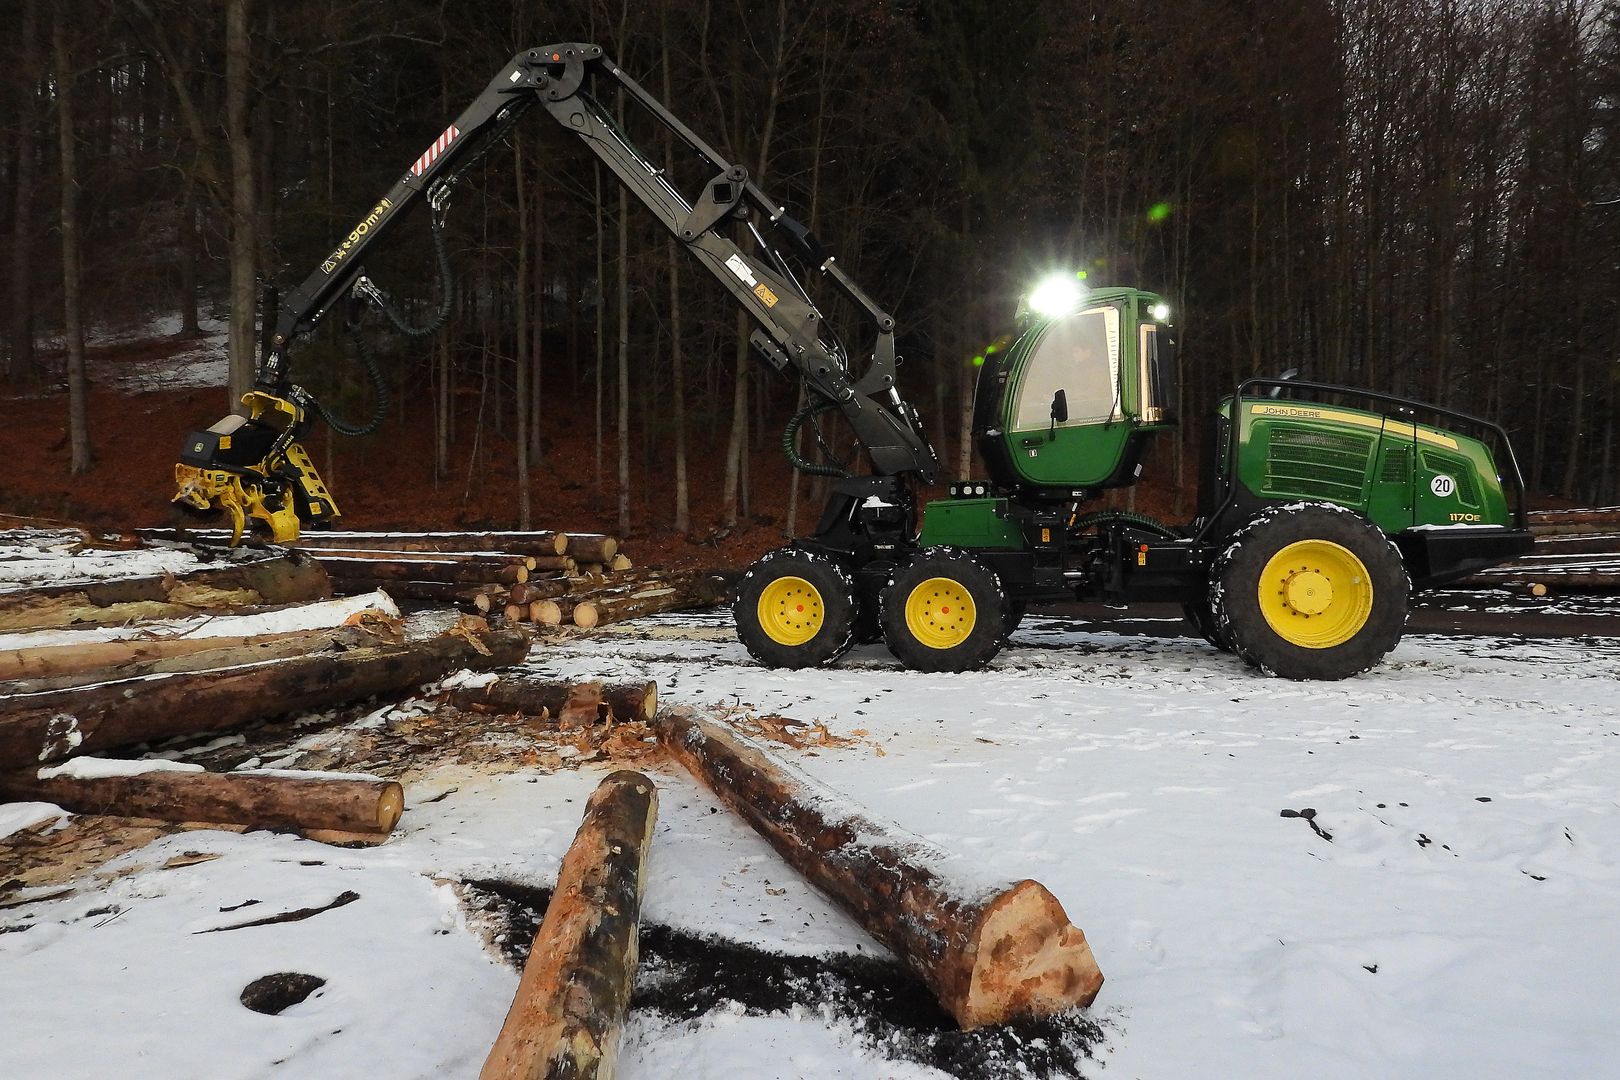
792 330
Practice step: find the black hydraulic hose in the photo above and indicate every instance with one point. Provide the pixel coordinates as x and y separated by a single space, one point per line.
790 435
379 390
441 254
1126 517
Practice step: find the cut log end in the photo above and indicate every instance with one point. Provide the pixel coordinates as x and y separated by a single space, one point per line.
1030 961
586 615
390 805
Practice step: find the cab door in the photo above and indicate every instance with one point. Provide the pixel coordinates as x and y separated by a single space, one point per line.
1079 355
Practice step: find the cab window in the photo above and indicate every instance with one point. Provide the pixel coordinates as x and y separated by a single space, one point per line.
1079 355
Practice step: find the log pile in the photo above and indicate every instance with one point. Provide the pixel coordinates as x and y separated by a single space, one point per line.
541 577
1575 551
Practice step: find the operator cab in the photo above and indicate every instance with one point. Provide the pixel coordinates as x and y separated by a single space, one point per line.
1069 407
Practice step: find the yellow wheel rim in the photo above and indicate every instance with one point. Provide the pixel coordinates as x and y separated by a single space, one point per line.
1315 594
790 611
940 613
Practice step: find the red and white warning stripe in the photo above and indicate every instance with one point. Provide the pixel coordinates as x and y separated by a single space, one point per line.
433 152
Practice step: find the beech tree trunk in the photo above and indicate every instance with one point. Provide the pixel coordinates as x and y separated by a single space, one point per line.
244 203
630 702
60 723
287 580
569 1010
72 277
261 801
21 328
991 951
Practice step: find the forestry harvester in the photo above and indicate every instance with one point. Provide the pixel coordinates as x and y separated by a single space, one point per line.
1322 507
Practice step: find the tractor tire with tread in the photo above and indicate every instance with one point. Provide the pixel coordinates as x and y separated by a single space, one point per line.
1310 591
944 611
795 609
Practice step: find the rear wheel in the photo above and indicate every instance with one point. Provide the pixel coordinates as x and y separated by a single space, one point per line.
944 611
1201 618
1310 591
795 609
1016 610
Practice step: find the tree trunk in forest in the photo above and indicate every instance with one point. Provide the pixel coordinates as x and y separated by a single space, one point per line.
61 723
261 801
288 580
677 372
601 318
21 328
244 203
188 248
521 376
622 426
570 1006
990 951
72 283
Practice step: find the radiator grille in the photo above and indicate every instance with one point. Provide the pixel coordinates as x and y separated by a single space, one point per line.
1316 464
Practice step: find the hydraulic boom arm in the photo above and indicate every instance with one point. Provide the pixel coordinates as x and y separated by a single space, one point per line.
254 466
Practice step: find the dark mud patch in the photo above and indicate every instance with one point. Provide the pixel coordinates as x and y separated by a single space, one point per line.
684 977
271 994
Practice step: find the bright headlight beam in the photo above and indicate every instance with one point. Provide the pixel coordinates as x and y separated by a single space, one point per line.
1055 296
1161 312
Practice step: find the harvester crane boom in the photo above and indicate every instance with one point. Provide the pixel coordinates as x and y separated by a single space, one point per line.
792 330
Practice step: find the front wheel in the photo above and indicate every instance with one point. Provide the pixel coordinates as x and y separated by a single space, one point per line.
944 611
1310 591
795 609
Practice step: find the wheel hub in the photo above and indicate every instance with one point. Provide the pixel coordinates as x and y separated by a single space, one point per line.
1315 594
940 613
790 611
1308 592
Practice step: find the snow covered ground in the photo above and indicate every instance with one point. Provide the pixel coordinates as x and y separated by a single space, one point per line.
1414 873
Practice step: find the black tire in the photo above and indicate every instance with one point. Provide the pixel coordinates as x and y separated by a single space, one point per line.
1235 582
1201 618
831 587
974 636
1016 610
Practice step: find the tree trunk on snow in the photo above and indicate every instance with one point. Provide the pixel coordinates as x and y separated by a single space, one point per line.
283 803
287 580
569 1010
990 951
72 287
61 723
55 667
244 204
590 547
630 702
464 571
675 593
515 543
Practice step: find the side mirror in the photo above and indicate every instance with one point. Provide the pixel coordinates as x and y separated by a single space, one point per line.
1060 406
1291 373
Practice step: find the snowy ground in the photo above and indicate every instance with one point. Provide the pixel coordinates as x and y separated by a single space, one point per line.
1448 910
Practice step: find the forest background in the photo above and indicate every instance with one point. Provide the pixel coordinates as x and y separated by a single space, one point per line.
1416 196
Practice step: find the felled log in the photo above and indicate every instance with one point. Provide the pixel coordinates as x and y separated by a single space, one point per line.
675 593
1586 517
287 579
590 547
569 1010
630 701
536 542
620 563
545 612
499 559
503 570
286 803
990 950
516 612
66 666
565 563
56 724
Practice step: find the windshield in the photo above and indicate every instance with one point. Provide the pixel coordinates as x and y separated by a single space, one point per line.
1078 354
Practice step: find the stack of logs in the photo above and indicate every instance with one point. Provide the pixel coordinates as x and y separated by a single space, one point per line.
1575 551
548 578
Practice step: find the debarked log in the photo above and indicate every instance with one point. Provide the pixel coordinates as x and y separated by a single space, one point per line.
569 1010
990 950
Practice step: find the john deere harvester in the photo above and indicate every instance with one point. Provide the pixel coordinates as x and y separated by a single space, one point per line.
1323 507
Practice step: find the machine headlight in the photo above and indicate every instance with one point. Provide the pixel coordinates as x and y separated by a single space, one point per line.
1057 295
1160 312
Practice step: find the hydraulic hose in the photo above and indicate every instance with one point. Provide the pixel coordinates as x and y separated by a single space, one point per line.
441 255
379 390
790 435
1126 517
